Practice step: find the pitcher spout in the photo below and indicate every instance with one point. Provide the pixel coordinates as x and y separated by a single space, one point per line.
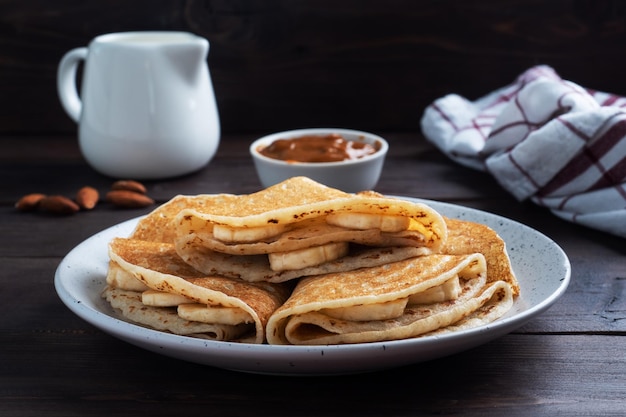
189 59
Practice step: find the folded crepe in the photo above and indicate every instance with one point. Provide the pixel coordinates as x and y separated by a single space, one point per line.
299 228
465 237
414 297
151 285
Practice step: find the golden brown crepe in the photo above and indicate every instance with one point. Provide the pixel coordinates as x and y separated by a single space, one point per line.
465 237
293 220
396 301
212 307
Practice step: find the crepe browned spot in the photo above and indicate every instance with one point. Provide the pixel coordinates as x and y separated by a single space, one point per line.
310 316
158 267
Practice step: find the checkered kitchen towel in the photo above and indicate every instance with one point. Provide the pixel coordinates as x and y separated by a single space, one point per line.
545 139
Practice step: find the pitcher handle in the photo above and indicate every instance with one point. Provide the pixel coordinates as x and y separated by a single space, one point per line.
66 82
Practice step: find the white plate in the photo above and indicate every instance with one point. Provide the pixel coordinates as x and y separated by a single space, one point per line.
541 266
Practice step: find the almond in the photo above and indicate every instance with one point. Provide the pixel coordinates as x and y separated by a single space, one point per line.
128 199
129 185
29 202
58 204
87 197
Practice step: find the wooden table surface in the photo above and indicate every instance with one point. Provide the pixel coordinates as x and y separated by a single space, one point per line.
571 360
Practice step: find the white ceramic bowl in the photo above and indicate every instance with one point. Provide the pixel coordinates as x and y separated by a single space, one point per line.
349 175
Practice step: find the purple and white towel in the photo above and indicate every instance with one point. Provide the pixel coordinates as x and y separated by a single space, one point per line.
545 139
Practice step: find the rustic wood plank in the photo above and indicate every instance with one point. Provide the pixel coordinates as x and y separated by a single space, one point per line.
514 375
279 64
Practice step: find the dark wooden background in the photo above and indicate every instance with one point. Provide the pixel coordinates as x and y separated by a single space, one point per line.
278 64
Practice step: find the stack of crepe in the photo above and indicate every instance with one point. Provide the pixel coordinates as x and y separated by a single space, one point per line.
302 263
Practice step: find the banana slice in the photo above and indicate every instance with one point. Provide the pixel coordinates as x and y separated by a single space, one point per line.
122 279
363 221
163 299
368 312
250 234
214 314
302 258
449 290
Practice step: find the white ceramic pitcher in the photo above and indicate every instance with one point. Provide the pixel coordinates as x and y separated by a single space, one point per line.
147 107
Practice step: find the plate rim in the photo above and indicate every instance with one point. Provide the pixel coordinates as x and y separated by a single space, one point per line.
184 347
